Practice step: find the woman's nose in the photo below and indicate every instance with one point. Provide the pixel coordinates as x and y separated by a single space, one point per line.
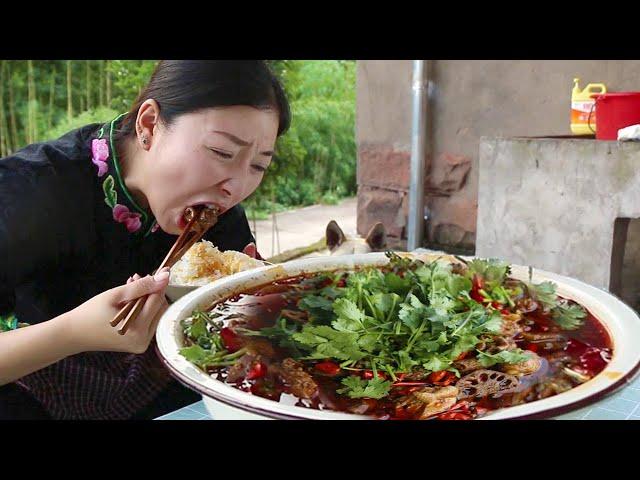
232 188
226 192
235 183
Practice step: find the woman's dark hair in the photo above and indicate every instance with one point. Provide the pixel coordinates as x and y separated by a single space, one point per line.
186 86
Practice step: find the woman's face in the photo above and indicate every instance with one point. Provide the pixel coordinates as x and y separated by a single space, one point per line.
216 156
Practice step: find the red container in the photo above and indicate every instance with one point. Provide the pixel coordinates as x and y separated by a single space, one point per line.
616 111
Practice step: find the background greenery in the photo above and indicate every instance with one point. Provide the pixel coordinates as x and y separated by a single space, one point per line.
315 160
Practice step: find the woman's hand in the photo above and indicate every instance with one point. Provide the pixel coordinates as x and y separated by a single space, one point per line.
252 251
88 325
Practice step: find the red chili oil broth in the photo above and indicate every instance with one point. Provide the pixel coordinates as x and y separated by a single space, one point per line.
589 348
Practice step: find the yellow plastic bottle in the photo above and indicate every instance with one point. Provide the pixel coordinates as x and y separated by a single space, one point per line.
583 111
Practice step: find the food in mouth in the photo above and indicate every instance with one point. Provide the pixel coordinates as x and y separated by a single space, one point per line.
208 214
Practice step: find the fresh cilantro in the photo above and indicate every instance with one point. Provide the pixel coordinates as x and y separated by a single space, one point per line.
324 342
436 362
491 270
203 330
506 356
545 293
568 317
356 387
319 309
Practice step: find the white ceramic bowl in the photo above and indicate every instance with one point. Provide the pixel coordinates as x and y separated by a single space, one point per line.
225 401
174 292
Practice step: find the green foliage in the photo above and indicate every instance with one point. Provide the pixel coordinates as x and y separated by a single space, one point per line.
129 77
316 159
98 115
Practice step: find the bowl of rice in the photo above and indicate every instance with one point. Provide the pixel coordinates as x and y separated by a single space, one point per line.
204 263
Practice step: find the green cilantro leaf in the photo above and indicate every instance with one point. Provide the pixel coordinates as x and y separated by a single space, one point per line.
328 342
568 317
356 387
436 362
545 293
516 355
491 270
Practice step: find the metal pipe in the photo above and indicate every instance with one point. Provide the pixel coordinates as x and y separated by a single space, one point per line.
415 229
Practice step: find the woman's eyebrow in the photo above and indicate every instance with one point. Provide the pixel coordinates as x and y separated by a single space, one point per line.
233 138
242 143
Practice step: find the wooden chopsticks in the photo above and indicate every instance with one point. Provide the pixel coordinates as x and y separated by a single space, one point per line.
199 219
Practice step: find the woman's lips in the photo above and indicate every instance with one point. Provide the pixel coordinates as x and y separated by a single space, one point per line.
181 222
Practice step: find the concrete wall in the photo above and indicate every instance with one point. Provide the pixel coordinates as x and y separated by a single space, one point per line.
467 100
553 204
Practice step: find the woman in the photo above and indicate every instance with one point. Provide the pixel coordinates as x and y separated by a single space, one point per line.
80 214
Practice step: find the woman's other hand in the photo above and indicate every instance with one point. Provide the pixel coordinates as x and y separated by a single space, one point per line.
252 251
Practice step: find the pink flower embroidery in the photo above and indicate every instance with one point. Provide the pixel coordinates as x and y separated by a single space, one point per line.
100 153
121 214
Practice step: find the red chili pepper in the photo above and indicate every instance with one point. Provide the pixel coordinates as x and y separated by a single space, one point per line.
481 410
462 356
230 340
408 384
449 379
455 416
258 370
476 296
477 284
442 377
328 368
436 376
532 347
461 405
505 311
368 375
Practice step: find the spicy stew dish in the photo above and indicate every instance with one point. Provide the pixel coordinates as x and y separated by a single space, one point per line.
410 340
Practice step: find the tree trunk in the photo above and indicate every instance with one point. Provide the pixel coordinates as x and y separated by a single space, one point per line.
69 98
52 88
12 112
108 68
88 69
332 167
101 79
30 104
4 149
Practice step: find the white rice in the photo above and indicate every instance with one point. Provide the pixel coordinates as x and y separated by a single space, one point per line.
203 263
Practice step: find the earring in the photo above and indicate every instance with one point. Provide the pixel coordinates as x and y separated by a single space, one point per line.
144 140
